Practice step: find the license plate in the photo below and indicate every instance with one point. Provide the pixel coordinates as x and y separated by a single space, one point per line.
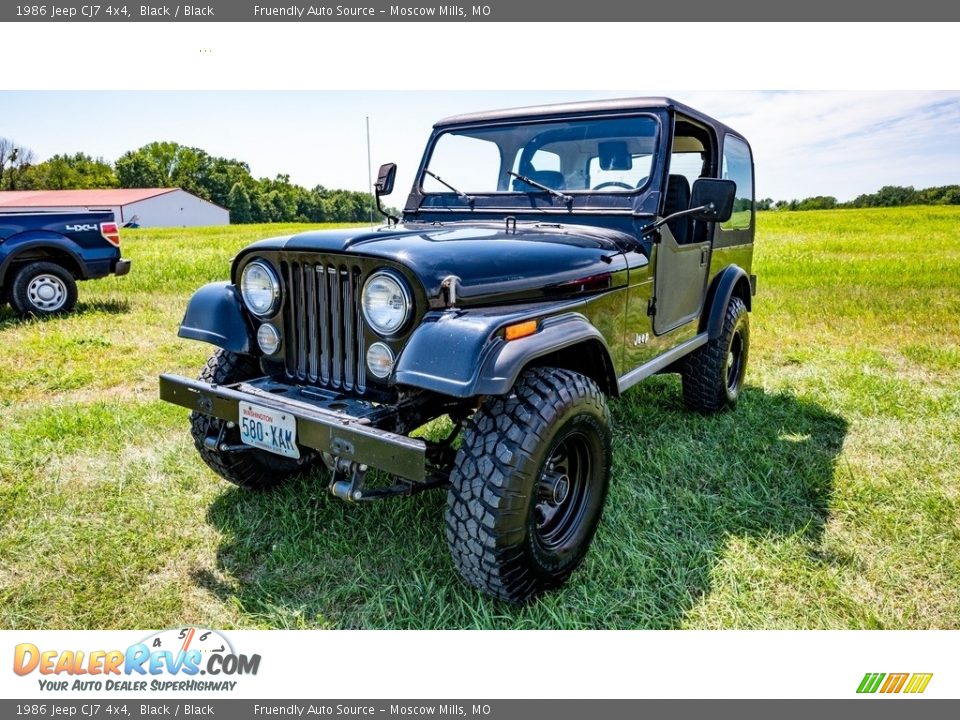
269 430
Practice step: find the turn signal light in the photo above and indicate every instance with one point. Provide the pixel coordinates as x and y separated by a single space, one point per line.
521 330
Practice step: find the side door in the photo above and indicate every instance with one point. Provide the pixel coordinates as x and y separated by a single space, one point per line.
680 279
681 258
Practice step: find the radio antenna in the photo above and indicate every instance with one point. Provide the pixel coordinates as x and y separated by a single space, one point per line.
369 172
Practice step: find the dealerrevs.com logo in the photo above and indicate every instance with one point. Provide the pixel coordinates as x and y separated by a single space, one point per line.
892 683
170 660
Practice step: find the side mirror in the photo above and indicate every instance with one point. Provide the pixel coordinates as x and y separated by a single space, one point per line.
385 177
713 199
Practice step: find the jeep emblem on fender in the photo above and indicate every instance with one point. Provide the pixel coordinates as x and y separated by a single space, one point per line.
515 297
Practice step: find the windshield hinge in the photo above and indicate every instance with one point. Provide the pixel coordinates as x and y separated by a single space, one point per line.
511 224
652 307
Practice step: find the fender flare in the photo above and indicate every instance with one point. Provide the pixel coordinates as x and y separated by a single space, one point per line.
16 245
732 280
477 360
215 315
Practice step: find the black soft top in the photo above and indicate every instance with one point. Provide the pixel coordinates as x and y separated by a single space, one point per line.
583 108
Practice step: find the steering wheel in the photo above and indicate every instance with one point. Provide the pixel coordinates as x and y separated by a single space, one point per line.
612 183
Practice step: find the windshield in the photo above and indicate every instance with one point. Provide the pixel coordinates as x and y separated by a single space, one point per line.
599 155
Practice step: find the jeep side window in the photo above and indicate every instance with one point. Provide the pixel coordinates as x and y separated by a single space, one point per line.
691 157
738 166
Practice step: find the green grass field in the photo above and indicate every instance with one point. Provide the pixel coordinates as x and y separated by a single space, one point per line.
829 499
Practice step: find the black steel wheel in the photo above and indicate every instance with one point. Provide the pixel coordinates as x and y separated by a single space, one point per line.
248 468
713 374
562 492
529 483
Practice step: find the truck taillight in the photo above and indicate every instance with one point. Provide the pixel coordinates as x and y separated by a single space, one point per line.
111 233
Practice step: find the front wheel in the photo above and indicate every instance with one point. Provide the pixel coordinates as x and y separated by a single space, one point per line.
529 484
246 467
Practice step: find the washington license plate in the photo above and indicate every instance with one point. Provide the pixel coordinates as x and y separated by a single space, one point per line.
269 430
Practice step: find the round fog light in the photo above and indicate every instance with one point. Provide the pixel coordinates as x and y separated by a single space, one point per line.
268 338
380 360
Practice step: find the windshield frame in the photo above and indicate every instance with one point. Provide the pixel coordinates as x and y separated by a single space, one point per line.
516 200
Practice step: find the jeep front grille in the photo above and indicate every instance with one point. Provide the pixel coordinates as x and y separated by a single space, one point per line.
324 337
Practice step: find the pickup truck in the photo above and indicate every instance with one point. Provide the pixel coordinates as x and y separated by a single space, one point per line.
43 255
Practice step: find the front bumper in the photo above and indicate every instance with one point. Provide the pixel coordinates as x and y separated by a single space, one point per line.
121 267
343 436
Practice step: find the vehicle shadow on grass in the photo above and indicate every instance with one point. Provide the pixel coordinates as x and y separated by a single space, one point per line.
683 487
8 318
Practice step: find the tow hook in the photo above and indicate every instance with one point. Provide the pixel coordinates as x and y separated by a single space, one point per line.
347 479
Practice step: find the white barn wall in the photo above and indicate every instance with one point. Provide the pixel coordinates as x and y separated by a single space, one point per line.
175 209
115 209
172 209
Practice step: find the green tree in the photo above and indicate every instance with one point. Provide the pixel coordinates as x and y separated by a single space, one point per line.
138 170
69 172
238 201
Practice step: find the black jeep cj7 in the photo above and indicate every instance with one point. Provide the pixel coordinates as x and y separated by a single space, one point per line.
547 258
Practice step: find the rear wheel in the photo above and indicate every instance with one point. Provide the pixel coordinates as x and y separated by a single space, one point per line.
529 483
42 289
713 374
248 468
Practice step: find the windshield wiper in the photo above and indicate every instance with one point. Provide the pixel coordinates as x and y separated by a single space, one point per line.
556 193
443 182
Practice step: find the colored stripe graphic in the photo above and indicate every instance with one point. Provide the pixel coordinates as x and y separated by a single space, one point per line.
870 682
918 683
894 682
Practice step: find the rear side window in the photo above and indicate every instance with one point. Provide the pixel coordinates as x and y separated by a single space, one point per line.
738 166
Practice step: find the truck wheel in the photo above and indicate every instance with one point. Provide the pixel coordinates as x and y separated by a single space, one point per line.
529 483
251 469
713 374
43 289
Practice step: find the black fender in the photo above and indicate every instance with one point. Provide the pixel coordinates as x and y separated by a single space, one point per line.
215 315
466 355
732 280
16 246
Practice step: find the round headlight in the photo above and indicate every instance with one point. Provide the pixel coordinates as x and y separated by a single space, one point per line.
268 338
260 288
386 303
380 360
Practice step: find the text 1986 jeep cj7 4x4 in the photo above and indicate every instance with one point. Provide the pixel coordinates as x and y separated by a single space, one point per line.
547 258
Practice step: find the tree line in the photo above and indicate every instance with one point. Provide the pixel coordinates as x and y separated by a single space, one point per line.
887 196
225 181
228 182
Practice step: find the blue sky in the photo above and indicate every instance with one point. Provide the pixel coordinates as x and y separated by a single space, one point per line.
805 143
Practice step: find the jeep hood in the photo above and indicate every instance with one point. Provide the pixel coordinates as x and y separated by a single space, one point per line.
493 265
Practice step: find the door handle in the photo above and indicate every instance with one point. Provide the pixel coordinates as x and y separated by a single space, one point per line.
703 257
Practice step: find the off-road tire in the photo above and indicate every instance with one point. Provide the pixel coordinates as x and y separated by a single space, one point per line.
710 382
494 503
59 278
250 469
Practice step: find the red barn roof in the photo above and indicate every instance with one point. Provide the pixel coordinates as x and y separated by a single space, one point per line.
79 198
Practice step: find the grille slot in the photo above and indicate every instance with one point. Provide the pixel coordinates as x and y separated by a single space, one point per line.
324 337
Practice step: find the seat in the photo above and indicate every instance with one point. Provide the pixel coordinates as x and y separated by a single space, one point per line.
551 178
678 198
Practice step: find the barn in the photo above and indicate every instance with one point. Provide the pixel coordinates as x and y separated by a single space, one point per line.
146 207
